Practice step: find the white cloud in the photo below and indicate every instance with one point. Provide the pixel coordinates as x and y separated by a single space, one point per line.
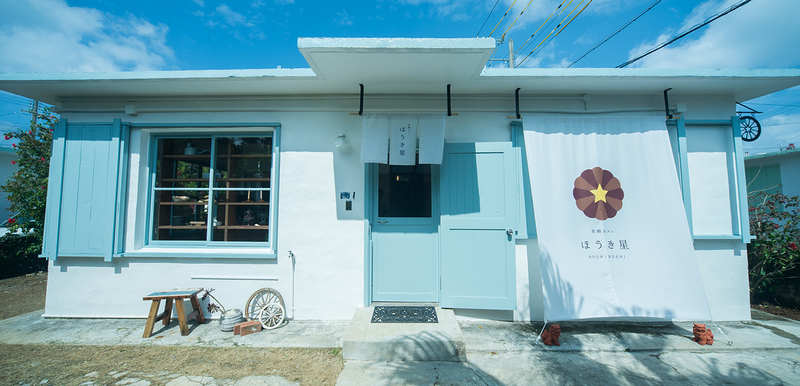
343 19
760 34
231 17
454 10
199 3
243 28
49 35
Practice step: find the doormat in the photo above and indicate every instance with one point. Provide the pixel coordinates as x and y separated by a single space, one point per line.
404 314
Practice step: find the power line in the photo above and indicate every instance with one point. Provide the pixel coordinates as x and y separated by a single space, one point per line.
695 28
615 32
781 110
487 18
556 30
547 22
543 44
772 104
504 16
515 20
782 124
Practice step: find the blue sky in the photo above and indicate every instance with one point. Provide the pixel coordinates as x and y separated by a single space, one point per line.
108 35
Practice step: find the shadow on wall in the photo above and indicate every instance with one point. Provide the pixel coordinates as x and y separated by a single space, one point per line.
559 293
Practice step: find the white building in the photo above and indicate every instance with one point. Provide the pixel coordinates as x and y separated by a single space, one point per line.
778 171
213 178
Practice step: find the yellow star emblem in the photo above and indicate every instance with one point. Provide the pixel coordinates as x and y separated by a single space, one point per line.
599 193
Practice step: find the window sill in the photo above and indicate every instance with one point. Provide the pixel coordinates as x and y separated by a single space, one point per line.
202 253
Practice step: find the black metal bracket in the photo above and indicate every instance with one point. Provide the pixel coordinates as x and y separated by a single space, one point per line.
449 113
361 100
516 100
666 104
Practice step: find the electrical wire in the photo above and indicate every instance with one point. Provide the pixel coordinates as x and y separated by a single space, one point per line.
487 18
783 124
557 26
780 110
557 33
547 22
616 32
504 16
515 20
683 34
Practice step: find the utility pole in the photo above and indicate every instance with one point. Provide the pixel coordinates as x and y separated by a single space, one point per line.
511 53
35 113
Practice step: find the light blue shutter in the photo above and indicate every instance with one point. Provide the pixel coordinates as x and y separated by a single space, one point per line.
86 191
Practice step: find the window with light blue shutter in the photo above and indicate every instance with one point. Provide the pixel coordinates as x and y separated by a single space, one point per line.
85 193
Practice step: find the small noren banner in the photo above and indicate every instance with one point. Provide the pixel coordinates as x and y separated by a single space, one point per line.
393 138
613 236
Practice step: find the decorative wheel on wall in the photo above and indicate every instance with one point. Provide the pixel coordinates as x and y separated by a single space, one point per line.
260 300
272 316
749 125
751 129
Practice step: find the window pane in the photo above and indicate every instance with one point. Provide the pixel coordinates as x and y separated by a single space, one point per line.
180 215
404 191
243 162
183 162
241 221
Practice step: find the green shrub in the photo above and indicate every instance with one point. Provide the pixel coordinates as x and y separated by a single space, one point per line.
26 189
774 255
19 254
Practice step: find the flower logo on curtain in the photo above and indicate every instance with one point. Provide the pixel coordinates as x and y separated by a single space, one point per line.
598 194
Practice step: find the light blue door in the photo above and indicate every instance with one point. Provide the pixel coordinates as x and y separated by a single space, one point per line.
405 234
479 209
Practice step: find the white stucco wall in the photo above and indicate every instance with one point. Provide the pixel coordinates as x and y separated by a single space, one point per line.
328 279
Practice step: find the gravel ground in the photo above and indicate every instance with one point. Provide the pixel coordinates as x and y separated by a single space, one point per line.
150 365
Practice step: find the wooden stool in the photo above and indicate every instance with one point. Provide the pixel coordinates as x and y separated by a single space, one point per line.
176 295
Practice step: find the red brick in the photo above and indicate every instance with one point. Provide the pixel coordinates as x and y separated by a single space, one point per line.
239 328
247 330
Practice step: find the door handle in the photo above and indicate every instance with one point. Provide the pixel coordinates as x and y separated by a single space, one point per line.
509 232
383 222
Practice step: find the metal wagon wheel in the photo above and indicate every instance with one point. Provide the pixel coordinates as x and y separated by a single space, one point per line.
260 299
272 316
751 129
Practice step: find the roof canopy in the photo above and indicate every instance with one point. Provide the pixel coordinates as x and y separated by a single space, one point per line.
404 66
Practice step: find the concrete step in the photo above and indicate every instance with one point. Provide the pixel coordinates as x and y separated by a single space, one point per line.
367 341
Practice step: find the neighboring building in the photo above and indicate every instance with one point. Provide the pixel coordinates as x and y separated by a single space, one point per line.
774 172
7 154
214 178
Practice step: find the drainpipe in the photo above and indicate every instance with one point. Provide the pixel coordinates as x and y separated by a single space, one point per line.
294 266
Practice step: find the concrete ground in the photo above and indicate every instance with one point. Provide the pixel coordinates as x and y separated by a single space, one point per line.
764 351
